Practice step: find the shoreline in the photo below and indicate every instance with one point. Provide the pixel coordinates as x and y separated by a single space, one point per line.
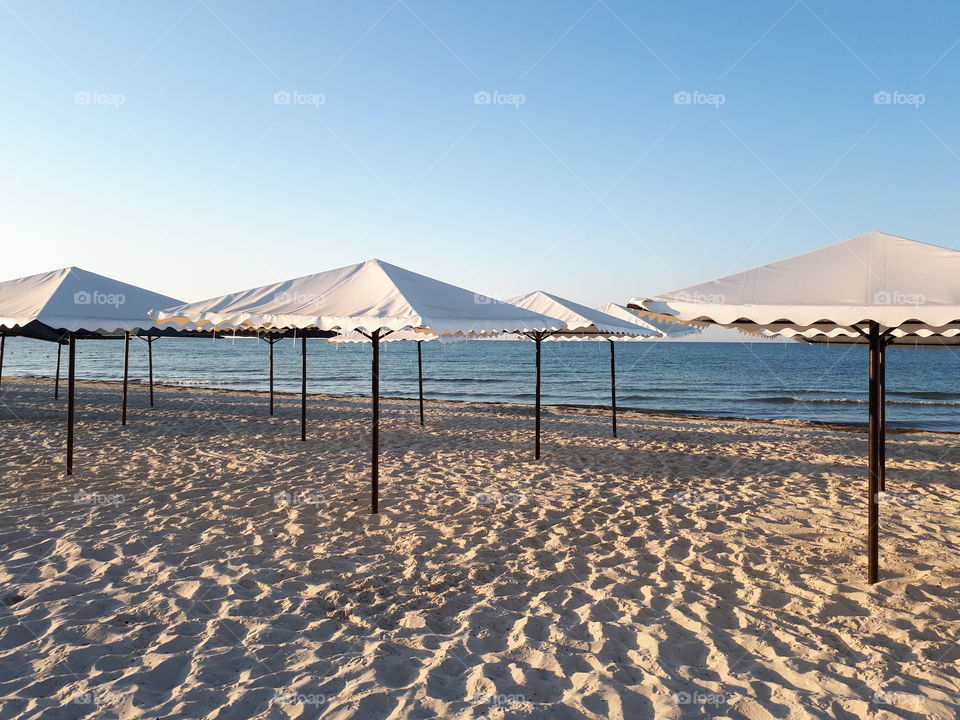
586 409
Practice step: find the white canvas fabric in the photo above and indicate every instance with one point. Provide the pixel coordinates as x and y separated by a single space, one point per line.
581 322
368 296
893 281
669 329
72 299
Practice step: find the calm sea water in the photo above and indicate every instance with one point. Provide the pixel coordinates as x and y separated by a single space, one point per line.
759 380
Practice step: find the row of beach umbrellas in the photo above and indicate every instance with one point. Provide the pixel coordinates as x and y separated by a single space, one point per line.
372 302
874 289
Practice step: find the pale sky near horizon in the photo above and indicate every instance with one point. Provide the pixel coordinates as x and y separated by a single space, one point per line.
594 149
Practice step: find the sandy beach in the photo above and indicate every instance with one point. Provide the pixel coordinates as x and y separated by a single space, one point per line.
204 563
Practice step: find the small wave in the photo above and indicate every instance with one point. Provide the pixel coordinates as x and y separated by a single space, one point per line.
200 383
924 394
433 380
789 400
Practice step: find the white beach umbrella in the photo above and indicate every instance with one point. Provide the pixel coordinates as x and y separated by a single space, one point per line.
68 304
875 289
72 300
579 323
374 298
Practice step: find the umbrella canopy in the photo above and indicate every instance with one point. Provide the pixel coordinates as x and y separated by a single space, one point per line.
72 299
368 296
908 287
668 328
71 304
374 298
877 289
582 322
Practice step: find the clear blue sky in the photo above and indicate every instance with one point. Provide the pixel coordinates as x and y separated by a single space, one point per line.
182 173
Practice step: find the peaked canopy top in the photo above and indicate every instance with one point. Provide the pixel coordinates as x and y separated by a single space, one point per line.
369 296
580 321
907 287
72 299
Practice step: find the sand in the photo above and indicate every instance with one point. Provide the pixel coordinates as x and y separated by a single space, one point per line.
204 563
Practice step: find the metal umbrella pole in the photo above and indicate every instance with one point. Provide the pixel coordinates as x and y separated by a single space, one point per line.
536 450
375 337
882 372
537 336
71 402
271 341
126 375
303 387
875 454
375 429
613 387
150 341
56 381
420 377
3 340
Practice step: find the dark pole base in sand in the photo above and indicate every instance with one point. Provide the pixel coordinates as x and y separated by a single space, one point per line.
150 341
613 387
375 429
71 401
538 339
126 375
303 387
876 454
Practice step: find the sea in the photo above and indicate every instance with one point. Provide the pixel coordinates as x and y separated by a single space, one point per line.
739 379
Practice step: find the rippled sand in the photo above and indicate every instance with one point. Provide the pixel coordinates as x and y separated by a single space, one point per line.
205 563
